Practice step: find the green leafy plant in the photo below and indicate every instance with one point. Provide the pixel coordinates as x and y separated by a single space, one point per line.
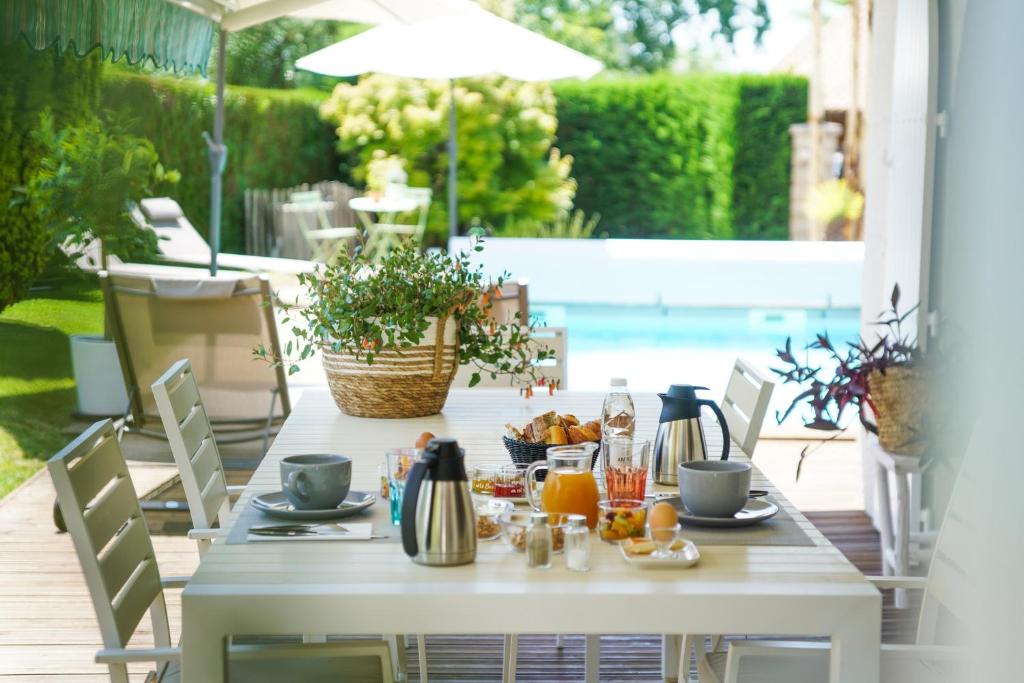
568 226
88 177
507 165
381 168
360 306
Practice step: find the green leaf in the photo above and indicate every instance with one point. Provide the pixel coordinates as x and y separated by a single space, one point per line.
474 379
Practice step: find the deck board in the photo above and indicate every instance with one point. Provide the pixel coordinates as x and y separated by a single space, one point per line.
48 630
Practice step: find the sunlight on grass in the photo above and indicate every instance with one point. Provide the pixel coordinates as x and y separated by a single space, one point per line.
37 393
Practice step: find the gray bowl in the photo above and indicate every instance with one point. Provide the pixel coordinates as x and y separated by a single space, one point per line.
714 488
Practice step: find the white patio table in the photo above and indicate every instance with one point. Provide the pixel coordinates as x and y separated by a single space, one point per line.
357 587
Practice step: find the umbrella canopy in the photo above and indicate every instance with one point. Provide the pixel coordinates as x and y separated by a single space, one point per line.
475 43
443 47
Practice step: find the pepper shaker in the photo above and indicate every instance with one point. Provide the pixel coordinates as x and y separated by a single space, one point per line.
539 542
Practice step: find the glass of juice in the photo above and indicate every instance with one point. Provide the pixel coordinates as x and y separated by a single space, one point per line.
569 487
625 467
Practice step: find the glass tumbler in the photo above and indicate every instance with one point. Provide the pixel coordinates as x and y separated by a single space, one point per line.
398 463
625 467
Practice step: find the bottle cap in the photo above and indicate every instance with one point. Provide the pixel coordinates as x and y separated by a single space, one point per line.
618 381
539 519
576 521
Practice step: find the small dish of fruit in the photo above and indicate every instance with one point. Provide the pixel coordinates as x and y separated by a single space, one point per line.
621 519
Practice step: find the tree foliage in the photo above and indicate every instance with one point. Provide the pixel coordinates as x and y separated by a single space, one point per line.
507 170
632 35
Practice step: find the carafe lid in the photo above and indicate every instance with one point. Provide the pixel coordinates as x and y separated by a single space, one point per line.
445 459
618 381
683 391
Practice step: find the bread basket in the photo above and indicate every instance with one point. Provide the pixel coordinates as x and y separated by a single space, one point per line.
523 453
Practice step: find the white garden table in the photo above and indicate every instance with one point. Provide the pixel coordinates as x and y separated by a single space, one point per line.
359 587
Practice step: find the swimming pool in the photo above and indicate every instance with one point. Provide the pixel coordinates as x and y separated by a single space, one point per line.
656 346
602 327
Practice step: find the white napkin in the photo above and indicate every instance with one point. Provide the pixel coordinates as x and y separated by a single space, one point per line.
356 532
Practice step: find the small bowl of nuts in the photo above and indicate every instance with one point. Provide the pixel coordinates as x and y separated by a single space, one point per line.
488 513
514 523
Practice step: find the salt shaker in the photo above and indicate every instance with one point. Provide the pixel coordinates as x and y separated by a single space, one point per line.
538 541
577 544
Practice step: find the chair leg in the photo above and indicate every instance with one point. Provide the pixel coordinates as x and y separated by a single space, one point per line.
421 653
716 642
670 653
592 650
508 670
387 672
118 673
687 644
559 641
882 501
399 661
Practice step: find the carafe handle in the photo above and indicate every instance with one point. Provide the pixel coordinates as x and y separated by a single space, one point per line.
528 481
723 424
410 498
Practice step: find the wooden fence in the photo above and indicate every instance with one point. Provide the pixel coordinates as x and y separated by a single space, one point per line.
271 232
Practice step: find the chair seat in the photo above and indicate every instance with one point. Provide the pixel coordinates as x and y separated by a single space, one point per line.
802 666
396 228
312 670
333 233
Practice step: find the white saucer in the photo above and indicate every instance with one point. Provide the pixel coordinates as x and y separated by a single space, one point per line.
755 511
277 505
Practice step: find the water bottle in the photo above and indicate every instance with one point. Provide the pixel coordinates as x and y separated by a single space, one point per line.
618 417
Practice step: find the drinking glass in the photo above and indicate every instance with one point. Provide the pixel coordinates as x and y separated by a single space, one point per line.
509 482
625 467
398 463
664 537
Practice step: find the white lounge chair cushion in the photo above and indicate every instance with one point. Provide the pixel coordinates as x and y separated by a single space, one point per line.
161 209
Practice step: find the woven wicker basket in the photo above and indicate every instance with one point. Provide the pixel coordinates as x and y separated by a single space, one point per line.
523 453
412 382
899 397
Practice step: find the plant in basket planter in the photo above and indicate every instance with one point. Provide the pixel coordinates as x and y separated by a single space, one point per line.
394 331
883 383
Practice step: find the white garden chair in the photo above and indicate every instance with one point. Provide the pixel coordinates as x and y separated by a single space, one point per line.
944 611
324 240
195 452
116 554
746 403
554 369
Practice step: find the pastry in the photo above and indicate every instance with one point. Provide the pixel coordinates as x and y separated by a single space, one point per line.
556 436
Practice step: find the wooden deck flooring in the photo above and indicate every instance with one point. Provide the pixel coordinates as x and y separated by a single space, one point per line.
48 629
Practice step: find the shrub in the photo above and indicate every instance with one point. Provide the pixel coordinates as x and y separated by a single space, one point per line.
32 82
768 106
275 138
692 156
507 167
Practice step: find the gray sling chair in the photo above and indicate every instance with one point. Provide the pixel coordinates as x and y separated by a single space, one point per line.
158 314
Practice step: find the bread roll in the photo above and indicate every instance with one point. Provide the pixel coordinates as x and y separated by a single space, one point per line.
556 436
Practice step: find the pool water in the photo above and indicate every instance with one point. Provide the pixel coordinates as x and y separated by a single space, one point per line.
655 346
601 327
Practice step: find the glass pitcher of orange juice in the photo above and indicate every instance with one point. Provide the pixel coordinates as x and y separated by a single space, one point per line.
569 486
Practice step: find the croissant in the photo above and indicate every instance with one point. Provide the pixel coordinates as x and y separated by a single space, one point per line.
571 419
556 436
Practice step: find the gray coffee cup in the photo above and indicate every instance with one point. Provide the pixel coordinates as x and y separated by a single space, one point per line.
714 488
316 481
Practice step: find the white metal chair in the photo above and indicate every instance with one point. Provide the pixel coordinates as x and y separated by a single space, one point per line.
325 240
554 369
117 558
384 236
195 452
746 403
944 608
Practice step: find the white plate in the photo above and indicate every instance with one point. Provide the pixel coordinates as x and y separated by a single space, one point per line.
687 556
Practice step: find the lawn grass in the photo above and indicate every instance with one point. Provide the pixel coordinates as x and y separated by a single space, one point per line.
37 390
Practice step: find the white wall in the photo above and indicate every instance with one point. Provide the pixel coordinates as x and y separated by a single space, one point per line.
680 272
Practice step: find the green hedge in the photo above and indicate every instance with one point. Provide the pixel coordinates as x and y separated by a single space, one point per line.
275 138
33 81
691 156
768 105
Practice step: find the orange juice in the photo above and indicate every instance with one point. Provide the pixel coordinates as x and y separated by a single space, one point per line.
569 491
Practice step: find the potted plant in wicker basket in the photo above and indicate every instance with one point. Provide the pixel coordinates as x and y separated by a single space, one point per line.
394 331
884 383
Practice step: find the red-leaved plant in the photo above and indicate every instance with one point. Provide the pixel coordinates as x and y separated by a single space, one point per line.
829 397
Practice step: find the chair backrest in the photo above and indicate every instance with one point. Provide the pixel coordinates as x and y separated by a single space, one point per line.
422 196
509 299
192 444
554 369
948 596
103 517
159 315
178 238
745 404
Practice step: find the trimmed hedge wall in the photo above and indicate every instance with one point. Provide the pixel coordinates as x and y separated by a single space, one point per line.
275 138
33 82
699 156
